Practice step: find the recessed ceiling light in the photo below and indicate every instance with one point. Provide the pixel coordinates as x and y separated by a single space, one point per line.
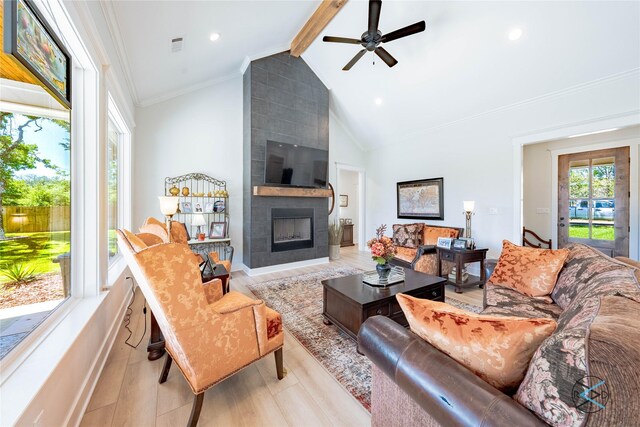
515 34
214 36
378 101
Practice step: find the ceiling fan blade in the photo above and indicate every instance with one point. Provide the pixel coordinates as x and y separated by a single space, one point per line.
386 56
374 15
340 40
404 32
354 60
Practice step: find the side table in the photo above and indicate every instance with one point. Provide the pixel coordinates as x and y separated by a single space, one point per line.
461 257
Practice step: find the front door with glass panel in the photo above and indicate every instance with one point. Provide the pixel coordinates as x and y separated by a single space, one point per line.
593 200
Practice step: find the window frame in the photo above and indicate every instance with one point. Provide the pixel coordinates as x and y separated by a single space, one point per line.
116 264
85 271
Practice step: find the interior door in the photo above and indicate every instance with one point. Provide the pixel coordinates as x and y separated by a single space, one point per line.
593 200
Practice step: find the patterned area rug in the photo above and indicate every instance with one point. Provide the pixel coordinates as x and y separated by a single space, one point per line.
299 300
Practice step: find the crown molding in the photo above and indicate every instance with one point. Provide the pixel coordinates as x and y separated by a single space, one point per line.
548 96
262 54
192 88
345 128
114 30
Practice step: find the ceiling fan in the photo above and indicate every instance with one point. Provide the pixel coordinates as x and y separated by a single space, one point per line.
372 38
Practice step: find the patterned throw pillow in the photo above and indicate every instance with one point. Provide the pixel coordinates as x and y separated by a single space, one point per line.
496 348
430 234
583 264
407 235
530 271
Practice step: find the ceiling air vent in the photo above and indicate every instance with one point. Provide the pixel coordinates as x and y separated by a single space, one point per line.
177 44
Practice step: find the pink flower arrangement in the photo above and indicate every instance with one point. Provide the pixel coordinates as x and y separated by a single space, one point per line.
382 247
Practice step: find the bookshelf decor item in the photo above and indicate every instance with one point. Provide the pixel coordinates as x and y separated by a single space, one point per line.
201 196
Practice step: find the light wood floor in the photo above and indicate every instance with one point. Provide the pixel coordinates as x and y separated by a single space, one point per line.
128 393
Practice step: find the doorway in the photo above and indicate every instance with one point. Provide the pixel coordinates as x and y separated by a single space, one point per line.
350 203
593 200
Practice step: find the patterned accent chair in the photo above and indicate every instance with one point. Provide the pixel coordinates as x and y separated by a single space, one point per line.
422 257
209 335
179 234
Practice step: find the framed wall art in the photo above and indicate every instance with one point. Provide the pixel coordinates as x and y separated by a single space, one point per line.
30 41
344 200
421 199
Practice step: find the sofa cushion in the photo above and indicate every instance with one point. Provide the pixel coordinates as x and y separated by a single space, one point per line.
496 348
405 254
582 265
430 234
631 263
407 235
563 359
502 301
530 271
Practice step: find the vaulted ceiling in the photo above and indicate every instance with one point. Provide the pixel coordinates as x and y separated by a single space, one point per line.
464 64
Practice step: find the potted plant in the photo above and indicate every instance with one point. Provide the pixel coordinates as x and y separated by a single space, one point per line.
335 237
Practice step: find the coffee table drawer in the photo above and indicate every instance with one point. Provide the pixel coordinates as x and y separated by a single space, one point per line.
379 310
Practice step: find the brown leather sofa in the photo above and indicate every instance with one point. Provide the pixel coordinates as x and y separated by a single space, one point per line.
413 383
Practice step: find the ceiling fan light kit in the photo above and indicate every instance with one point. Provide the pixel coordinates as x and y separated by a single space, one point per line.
372 38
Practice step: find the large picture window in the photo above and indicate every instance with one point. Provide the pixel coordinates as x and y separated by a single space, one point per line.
35 221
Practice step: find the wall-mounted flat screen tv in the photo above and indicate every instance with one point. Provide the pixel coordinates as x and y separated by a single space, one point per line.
295 165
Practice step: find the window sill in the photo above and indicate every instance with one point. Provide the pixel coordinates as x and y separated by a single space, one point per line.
23 378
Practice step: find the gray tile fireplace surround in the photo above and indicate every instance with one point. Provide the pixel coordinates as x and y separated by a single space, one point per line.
284 101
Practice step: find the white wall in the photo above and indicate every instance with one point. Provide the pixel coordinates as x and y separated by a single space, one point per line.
538 176
348 185
476 156
196 132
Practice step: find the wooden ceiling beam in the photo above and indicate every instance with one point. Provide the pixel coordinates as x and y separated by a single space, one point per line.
314 26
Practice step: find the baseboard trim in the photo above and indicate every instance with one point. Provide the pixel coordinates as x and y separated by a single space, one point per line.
91 380
251 272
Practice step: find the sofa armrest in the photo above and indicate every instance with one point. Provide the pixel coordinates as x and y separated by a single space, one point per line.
446 390
422 250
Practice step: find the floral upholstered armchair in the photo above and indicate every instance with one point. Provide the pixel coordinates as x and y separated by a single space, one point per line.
210 336
416 246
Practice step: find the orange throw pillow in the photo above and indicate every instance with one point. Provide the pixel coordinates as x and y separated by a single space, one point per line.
496 348
530 271
430 234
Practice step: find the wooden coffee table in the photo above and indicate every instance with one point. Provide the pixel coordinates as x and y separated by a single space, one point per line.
347 301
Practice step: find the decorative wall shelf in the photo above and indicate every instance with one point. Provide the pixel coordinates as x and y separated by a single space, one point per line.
269 191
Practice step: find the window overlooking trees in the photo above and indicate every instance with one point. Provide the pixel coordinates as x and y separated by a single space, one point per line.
35 222
113 177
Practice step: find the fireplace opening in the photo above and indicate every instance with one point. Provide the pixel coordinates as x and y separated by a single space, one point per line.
291 229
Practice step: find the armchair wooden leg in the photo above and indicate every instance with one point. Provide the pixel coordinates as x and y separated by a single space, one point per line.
195 410
279 364
165 370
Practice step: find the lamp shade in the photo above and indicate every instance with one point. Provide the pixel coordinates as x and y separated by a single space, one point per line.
198 220
469 205
168 205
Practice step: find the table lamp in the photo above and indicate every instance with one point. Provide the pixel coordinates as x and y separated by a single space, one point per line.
198 220
168 207
468 205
